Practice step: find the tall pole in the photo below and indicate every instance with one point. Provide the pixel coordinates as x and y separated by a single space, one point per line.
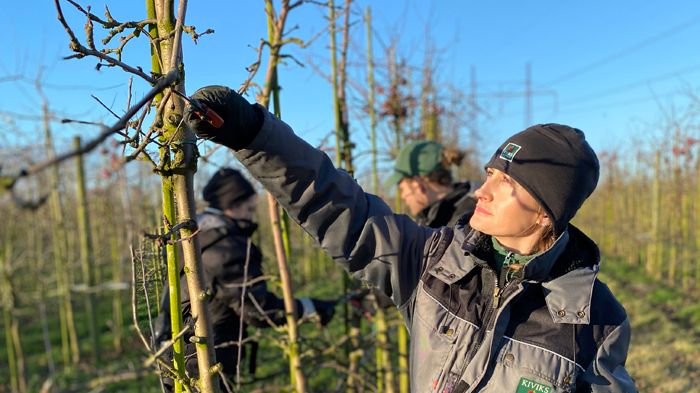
169 217
473 110
385 375
180 158
275 29
69 337
86 257
371 101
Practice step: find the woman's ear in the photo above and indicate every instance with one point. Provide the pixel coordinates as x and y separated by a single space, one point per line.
544 220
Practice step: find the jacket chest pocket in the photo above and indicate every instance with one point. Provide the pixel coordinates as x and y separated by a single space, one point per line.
525 367
437 340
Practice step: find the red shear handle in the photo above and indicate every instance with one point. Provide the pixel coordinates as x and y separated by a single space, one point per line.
209 115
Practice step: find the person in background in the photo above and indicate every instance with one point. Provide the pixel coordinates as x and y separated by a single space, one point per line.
508 303
422 171
229 260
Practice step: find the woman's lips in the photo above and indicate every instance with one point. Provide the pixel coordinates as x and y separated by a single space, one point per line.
483 211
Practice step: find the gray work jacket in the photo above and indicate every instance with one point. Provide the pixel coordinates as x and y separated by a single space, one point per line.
553 328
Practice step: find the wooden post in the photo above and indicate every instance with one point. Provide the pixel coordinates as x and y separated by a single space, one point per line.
86 256
275 29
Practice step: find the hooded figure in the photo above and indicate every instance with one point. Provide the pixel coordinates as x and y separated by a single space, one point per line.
230 259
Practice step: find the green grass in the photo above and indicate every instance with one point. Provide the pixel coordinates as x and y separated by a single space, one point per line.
665 330
272 363
662 357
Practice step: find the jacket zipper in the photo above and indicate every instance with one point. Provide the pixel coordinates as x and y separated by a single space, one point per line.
501 284
490 311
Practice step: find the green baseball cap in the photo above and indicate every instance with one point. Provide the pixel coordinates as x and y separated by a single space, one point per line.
417 159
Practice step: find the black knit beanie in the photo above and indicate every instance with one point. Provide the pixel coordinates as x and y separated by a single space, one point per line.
226 188
555 164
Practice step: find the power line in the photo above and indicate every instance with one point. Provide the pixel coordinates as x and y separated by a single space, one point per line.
624 52
613 104
613 90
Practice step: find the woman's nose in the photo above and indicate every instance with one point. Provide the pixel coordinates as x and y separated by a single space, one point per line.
483 193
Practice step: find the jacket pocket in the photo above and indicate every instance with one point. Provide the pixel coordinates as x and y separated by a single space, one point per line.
522 366
436 341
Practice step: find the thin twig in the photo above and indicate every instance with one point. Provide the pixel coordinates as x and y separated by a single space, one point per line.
128 104
133 300
162 83
82 51
241 327
253 338
151 359
182 239
177 44
262 312
148 303
173 231
253 69
248 283
104 106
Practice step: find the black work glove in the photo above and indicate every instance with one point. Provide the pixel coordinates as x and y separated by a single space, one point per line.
242 121
325 310
316 308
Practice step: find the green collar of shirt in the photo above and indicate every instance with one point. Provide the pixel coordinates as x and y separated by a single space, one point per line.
503 258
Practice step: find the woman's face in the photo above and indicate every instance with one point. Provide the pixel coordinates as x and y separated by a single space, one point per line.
244 210
506 211
414 194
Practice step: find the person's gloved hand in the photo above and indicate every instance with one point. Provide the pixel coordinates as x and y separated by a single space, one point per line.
322 309
242 121
325 310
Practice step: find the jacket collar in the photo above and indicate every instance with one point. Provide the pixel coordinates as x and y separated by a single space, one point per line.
212 218
442 212
569 290
567 270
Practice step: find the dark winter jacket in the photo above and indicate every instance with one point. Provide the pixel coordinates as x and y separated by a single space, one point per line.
226 250
554 328
457 204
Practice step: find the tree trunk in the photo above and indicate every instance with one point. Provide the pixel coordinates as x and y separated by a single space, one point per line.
271 90
178 173
69 337
86 257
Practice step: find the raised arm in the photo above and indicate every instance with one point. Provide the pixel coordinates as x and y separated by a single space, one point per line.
357 229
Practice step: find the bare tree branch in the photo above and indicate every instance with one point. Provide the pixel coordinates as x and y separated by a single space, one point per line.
82 51
160 85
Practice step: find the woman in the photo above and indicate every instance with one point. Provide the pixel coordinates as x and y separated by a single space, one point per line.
422 171
513 305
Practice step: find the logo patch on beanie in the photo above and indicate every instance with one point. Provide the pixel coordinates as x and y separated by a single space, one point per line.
509 151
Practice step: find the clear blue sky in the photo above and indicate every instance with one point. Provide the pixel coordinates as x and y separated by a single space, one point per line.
602 66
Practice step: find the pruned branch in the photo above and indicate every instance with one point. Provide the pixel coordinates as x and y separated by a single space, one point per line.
166 345
160 85
169 236
82 51
195 36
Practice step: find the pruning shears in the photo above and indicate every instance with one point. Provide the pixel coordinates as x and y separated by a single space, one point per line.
356 300
204 112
